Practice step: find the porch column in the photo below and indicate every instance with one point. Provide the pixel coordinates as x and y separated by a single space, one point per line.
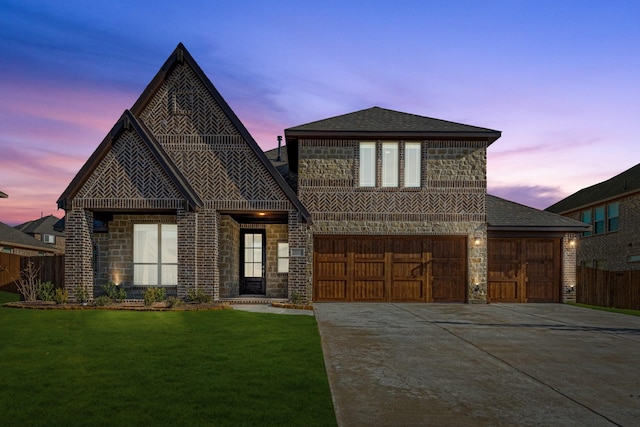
78 261
300 252
207 253
187 251
569 249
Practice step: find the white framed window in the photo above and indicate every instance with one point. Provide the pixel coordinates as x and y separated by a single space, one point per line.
367 164
155 254
49 238
412 161
390 164
283 257
613 223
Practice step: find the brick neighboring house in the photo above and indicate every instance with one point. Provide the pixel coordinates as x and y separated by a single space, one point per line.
16 242
42 229
375 205
612 208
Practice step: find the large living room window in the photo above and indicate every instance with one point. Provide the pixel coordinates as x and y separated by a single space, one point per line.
155 254
399 164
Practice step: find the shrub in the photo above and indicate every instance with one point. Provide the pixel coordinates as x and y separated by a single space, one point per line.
117 293
27 283
103 300
45 291
61 296
81 293
296 298
152 295
198 295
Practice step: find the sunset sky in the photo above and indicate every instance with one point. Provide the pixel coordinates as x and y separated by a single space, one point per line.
559 78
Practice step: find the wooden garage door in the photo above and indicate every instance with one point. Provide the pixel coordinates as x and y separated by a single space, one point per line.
384 269
524 270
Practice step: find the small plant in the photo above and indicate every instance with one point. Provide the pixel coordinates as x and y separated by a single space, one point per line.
45 291
61 296
117 293
27 283
296 298
81 293
197 295
174 302
102 300
152 295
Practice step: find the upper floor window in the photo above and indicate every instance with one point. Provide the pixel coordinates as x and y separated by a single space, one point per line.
603 219
386 158
612 217
367 164
390 164
49 238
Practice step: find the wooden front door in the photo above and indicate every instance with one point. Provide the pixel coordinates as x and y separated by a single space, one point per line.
252 262
524 270
390 268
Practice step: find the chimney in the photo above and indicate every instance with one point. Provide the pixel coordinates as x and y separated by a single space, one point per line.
279 159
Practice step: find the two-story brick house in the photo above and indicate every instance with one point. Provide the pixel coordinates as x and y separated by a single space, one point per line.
375 205
612 208
43 229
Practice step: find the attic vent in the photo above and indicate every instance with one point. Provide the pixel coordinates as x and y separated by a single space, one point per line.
181 103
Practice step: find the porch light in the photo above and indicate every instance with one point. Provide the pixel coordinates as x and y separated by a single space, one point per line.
476 241
572 242
262 213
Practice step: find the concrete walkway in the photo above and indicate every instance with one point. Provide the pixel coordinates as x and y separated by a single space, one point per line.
268 308
481 365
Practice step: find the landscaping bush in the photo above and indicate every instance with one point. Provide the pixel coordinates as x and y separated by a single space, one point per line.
116 293
45 291
60 296
152 295
174 302
103 300
81 293
197 295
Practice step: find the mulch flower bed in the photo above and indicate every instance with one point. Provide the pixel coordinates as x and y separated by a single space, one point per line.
134 306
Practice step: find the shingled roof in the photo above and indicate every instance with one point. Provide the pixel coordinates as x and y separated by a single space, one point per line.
378 121
11 237
505 215
627 182
40 226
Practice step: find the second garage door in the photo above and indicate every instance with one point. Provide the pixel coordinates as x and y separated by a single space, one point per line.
390 268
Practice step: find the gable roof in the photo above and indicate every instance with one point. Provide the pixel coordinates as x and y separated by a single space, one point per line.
44 225
378 121
181 55
129 122
11 237
505 215
623 184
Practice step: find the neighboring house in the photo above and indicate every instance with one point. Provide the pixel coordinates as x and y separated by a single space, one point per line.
43 229
612 208
16 242
375 205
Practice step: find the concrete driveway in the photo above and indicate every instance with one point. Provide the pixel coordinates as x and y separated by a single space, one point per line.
493 365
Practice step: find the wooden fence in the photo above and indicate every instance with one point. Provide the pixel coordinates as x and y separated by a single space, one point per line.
50 269
620 289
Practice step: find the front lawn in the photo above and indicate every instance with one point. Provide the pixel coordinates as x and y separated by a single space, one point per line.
99 367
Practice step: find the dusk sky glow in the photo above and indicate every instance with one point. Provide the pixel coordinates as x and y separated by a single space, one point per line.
559 78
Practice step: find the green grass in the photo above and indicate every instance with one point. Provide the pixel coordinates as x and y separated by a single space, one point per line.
100 367
610 309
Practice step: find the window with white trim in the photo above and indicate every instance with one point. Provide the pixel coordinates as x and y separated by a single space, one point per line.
390 164
412 162
155 254
49 238
385 157
283 257
367 164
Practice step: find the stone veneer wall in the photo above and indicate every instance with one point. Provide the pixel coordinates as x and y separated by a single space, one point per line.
613 249
569 249
451 200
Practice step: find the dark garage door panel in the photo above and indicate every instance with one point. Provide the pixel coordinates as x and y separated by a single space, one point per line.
524 269
390 268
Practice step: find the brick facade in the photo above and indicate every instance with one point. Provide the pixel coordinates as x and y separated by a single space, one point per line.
450 201
612 250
